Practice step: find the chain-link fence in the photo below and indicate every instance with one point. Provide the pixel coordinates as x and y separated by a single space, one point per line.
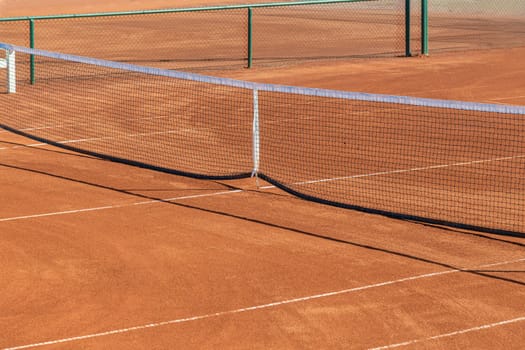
456 25
359 29
226 36
274 33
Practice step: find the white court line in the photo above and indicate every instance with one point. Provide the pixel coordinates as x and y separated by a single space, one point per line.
256 307
26 145
114 137
14 218
451 334
506 98
76 123
122 136
400 171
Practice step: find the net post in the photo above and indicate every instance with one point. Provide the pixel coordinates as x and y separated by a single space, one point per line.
32 45
9 63
408 52
424 27
250 37
255 135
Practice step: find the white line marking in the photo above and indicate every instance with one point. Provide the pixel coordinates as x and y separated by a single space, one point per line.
505 98
399 171
115 137
74 123
26 145
117 206
451 334
415 93
122 136
256 307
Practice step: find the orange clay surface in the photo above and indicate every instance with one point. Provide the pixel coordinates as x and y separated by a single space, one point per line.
99 255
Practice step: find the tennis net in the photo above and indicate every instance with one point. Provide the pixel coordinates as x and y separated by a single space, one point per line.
444 162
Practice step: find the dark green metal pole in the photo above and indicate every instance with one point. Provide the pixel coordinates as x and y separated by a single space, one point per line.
408 52
424 27
32 45
250 37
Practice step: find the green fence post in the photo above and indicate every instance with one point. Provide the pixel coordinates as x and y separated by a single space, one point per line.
424 27
32 45
250 43
407 28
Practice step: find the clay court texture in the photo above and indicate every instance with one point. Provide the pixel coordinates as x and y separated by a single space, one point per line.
101 255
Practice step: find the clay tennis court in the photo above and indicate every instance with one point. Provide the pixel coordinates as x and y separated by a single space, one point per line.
101 255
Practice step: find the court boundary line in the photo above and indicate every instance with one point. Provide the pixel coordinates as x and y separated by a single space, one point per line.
400 171
506 98
116 206
274 304
451 334
30 145
71 123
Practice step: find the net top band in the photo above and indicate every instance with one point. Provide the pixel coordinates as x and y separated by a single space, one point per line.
314 92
